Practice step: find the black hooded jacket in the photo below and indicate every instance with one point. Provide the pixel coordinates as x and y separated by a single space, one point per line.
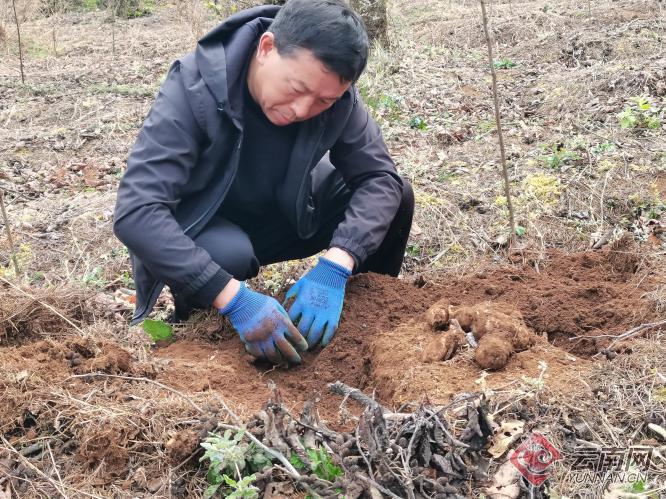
187 154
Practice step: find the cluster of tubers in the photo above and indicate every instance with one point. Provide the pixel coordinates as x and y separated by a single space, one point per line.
496 332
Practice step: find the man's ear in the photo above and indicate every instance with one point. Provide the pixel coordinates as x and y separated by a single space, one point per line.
266 46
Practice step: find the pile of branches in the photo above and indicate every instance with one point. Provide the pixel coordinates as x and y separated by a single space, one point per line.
401 455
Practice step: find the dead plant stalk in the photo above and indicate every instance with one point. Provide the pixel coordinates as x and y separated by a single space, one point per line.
20 45
500 135
8 230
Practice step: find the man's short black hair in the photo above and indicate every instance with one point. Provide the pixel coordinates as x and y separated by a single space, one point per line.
330 29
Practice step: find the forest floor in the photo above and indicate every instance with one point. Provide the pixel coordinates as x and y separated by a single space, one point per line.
90 407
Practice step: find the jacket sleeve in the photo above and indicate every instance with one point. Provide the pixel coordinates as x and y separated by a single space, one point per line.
159 166
362 157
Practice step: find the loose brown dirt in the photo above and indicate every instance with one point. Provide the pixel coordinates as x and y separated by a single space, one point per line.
566 304
102 425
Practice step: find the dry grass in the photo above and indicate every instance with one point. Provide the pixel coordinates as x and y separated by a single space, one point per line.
627 395
66 134
434 71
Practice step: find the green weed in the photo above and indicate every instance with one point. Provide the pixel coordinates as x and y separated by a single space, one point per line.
321 464
641 114
418 123
228 455
413 250
504 64
95 278
650 208
602 148
382 104
121 89
557 156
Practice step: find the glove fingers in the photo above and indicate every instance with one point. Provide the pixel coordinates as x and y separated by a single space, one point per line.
293 291
316 332
271 352
305 323
254 350
295 337
295 311
329 332
287 350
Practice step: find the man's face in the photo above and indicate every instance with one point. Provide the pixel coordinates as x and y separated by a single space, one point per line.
291 88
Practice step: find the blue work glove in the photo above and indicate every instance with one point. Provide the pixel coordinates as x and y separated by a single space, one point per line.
319 295
264 327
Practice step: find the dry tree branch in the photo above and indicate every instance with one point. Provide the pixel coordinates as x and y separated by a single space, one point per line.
20 45
500 135
374 484
626 335
5 218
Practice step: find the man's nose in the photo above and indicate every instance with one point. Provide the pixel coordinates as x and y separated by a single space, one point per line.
301 106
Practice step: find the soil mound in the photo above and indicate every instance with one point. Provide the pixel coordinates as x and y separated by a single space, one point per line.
559 305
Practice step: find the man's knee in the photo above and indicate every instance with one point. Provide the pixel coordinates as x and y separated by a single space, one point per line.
230 247
407 200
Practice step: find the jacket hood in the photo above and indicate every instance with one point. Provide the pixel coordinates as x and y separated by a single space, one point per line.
222 54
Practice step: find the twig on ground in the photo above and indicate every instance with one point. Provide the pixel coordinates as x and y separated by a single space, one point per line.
355 394
20 44
145 380
55 466
231 414
374 484
8 230
56 485
619 337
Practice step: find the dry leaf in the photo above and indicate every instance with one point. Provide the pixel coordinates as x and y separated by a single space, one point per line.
506 435
505 483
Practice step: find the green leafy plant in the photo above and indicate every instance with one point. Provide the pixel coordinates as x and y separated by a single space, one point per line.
158 330
640 114
95 278
504 64
558 156
230 455
418 123
127 280
413 250
602 148
321 464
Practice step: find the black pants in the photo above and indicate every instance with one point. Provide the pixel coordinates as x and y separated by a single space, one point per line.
241 251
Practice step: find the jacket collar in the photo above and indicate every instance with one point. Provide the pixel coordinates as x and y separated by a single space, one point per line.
223 53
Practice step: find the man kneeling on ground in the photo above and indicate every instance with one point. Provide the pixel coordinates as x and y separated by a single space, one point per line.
258 150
